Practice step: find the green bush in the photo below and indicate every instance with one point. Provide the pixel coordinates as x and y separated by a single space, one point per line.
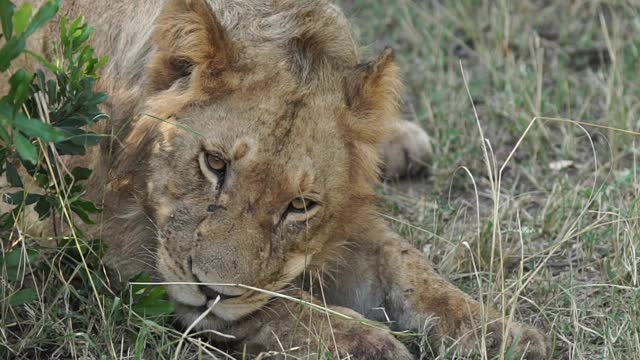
48 114
45 116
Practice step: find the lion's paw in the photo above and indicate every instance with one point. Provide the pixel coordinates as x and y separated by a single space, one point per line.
525 342
532 342
406 151
372 345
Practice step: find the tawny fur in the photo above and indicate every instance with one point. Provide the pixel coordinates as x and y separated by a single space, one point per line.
276 89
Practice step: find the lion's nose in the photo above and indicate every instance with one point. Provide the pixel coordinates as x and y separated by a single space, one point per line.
210 293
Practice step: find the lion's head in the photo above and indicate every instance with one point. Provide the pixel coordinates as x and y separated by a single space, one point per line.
258 138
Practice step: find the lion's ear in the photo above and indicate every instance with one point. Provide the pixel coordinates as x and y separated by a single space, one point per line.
372 94
190 42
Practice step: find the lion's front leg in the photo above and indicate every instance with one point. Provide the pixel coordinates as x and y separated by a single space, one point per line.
415 297
307 332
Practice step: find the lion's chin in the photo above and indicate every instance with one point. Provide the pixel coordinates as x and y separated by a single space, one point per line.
220 315
187 315
230 310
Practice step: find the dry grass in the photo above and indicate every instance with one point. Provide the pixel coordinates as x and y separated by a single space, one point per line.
540 218
532 203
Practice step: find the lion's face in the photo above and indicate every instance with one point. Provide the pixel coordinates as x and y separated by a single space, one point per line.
268 155
243 192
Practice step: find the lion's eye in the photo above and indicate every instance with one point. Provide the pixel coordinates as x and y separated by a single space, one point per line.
300 210
214 168
301 205
215 163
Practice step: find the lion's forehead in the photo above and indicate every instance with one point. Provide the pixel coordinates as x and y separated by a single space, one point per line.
280 175
271 124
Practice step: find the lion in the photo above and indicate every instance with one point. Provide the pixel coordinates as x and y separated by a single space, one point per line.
248 138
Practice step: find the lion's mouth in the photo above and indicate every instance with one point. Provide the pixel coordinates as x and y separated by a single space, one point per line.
212 294
227 311
218 302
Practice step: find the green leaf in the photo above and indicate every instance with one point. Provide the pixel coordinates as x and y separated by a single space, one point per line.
44 14
20 197
99 98
75 24
26 149
83 35
20 82
83 208
4 153
13 178
82 214
21 19
52 91
43 208
42 180
63 29
4 135
32 255
80 173
22 297
11 50
87 139
14 258
72 123
68 148
154 293
6 14
75 28
39 129
86 205
155 308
